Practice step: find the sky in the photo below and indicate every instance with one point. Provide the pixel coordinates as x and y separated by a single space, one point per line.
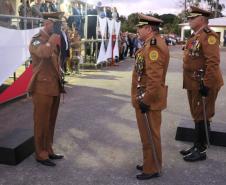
126 7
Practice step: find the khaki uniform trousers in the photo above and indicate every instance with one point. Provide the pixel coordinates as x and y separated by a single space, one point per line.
196 105
154 117
45 113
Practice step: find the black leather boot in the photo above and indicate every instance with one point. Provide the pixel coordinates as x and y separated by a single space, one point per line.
196 140
199 150
197 154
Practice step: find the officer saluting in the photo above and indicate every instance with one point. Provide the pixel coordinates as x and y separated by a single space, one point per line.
202 79
149 93
45 88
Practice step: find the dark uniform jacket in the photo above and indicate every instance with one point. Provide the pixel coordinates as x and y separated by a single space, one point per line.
202 52
46 76
151 65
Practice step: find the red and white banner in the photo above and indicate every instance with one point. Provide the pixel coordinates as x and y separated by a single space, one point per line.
18 88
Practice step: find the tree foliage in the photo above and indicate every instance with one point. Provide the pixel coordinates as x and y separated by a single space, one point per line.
130 23
213 5
170 22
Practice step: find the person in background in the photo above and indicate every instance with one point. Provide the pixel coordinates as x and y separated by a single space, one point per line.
53 6
65 46
21 12
115 14
6 8
74 20
35 12
48 6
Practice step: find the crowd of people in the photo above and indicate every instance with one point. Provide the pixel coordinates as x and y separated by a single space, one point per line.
74 10
73 23
129 44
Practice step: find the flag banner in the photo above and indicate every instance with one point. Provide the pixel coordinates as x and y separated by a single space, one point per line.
102 52
110 30
117 31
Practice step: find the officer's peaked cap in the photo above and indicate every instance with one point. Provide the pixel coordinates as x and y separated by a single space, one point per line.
196 11
148 20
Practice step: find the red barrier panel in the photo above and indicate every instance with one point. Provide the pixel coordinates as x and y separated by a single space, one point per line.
18 88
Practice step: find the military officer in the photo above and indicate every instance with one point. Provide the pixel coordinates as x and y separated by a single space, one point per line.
201 53
45 88
149 93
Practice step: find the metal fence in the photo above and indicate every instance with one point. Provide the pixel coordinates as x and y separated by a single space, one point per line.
89 48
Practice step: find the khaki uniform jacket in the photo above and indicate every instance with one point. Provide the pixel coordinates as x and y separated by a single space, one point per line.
45 64
152 61
202 52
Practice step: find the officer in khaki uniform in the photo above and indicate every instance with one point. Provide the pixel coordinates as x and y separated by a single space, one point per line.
45 88
201 53
149 92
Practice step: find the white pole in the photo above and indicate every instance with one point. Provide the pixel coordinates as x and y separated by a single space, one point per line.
86 21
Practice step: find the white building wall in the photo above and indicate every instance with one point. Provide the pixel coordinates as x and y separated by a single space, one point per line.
221 31
216 29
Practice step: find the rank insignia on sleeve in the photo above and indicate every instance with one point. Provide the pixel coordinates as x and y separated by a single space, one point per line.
36 42
211 40
153 55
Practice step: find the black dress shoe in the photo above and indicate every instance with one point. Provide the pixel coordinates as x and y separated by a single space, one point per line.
56 156
46 162
187 151
201 148
146 176
139 167
196 155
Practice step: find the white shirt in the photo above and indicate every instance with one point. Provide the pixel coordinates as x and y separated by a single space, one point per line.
65 38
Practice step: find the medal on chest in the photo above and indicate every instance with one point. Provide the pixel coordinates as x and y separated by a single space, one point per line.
194 48
139 65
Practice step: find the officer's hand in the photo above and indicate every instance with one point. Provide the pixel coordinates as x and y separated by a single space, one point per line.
54 39
143 107
204 91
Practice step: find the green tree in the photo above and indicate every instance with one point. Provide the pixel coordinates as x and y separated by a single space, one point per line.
132 22
123 23
170 23
214 6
